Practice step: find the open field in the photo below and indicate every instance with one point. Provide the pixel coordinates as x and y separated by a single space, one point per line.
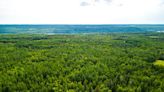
115 62
159 62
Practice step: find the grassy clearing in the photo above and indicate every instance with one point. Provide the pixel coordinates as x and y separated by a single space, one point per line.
159 62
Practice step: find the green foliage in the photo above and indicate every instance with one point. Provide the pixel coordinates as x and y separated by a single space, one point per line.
82 63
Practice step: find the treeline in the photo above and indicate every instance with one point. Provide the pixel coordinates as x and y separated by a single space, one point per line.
82 63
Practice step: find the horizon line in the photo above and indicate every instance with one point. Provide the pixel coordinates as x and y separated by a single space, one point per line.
89 24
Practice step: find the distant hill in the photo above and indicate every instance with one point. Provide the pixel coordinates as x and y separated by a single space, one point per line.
75 29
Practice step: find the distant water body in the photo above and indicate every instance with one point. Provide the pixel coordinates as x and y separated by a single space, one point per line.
78 29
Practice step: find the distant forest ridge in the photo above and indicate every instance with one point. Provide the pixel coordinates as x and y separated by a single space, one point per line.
78 29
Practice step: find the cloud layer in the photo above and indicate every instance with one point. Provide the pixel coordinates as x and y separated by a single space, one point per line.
81 11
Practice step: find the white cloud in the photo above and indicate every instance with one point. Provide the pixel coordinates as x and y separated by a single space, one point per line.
81 11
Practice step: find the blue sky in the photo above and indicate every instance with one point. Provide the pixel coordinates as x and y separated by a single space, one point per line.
81 11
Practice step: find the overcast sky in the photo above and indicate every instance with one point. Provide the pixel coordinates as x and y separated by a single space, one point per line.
81 11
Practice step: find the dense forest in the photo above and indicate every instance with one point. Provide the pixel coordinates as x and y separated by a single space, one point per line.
114 62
